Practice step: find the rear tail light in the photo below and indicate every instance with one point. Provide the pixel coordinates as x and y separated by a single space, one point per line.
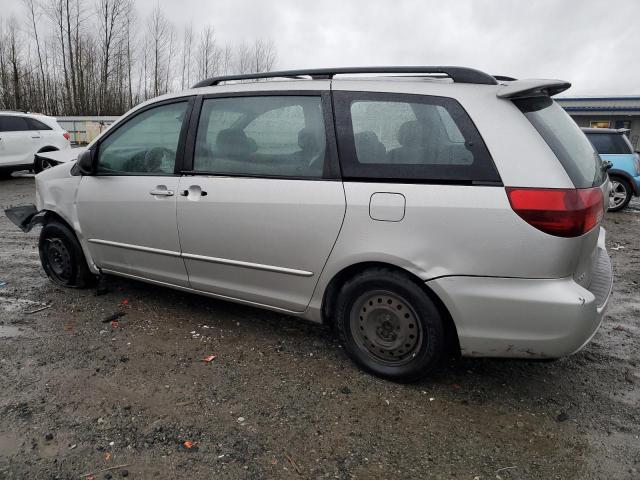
66 135
561 212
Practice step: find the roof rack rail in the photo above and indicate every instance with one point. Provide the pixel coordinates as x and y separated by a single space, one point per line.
504 78
457 74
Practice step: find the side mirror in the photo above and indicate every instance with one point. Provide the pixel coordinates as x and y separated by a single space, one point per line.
606 165
85 162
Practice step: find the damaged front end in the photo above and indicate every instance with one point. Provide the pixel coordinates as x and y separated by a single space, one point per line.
26 216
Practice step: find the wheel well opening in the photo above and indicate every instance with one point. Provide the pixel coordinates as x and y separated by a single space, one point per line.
333 289
51 216
47 149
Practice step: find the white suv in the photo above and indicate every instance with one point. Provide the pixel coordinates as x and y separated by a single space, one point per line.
23 135
416 215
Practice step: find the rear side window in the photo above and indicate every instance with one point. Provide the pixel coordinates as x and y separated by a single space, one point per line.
564 137
9 123
386 136
263 136
37 124
610 143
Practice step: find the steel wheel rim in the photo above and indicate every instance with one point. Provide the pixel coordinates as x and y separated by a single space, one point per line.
385 326
59 259
617 194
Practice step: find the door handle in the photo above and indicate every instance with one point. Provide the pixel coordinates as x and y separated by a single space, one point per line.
161 192
195 190
35 137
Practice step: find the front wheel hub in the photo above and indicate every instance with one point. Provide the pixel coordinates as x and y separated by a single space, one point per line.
59 258
386 327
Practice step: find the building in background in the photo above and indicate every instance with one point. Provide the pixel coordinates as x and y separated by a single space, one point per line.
606 112
85 129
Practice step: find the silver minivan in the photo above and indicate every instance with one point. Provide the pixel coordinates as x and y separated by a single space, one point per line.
421 211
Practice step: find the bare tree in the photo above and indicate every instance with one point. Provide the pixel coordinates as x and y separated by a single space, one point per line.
243 60
33 18
158 31
208 57
110 23
227 60
187 44
14 60
86 57
263 56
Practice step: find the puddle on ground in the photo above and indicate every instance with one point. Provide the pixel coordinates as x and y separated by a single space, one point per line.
10 331
10 443
11 304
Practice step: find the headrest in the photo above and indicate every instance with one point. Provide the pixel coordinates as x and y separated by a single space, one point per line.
411 134
234 142
307 140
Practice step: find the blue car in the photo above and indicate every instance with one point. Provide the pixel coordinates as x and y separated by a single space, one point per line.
614 146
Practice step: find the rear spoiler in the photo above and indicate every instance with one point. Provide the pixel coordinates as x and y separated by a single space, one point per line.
531 88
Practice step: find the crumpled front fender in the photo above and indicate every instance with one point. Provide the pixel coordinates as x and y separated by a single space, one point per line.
26 216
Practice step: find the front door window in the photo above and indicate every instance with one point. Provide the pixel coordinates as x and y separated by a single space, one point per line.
145 145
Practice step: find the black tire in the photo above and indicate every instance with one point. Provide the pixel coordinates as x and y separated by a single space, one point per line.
62 257
5 174
620 186
389 326
40 164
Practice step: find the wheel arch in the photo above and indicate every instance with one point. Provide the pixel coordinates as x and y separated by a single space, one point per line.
50 215
332 290
48 148
626 177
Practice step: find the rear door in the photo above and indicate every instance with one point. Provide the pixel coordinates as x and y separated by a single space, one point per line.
262 205
16 144
127 210
42 134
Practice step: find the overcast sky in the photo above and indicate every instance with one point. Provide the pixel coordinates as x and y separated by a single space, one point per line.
595 44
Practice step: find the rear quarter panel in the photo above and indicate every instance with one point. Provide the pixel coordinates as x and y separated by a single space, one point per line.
448 230
455 230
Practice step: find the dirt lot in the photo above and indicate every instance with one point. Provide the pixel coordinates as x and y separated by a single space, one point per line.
281 400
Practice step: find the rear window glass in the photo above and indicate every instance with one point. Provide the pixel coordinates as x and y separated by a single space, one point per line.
609 143
386 136
37 125
13 124
564 137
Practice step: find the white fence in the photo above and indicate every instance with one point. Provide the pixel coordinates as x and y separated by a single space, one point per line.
85 129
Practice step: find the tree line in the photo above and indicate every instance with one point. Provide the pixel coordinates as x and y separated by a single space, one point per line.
73 57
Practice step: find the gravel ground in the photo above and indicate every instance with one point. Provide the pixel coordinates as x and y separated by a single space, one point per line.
281 400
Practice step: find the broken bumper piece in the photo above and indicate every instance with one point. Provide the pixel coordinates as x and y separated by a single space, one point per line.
25 216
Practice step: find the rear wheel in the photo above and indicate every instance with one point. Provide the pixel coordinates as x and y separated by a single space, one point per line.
389 326
620 194
5 174
62 257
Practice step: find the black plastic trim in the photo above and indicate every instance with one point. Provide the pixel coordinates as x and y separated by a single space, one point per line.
422 181
199 173
25 217
457 74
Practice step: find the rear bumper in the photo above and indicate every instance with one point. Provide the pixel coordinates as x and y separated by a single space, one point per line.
526 318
